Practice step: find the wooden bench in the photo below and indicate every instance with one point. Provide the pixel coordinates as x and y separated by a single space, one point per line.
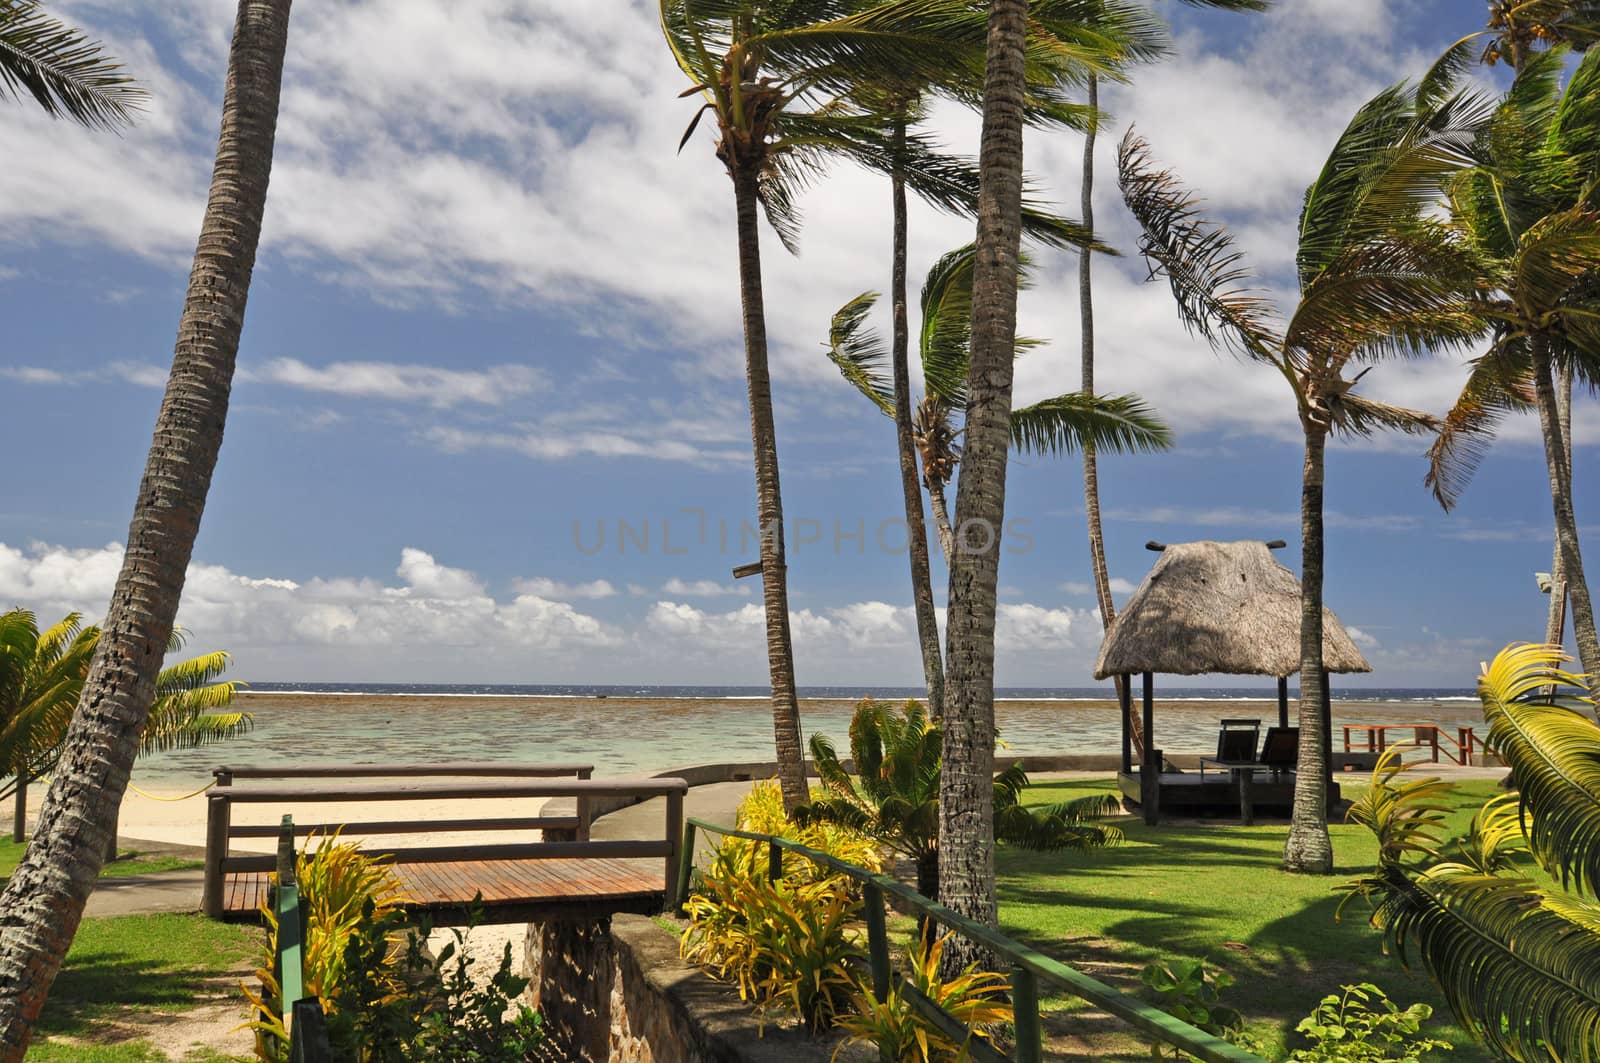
516 882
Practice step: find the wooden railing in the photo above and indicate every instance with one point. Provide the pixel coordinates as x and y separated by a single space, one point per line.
1028 966
1427 736
545 781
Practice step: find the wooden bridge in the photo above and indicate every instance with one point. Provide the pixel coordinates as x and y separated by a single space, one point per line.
564 874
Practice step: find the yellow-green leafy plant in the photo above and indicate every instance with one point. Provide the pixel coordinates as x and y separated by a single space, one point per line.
901 1031
762 812
337 884
1360 1024
1518 962
787 944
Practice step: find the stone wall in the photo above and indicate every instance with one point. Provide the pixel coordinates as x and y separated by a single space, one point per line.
616 991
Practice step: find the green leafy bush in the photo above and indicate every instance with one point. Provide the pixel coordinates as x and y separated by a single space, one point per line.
386 998
1360 1023
902 1032
786 944
1191 991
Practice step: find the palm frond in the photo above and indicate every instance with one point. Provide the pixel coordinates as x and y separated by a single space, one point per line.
1497 384
1553 749
68 75
1357 415
859 353
1207 275
191 732
1407 817
1556 255
946 336
1111 423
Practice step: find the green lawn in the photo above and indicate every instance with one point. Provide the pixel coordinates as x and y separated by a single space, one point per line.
1215 890
128 862
124 976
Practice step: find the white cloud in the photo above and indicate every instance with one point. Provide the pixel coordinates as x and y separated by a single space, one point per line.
704 588
1361 638
1121 586
544 587
403 383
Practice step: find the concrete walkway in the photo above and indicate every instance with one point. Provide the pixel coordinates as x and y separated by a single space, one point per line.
164 891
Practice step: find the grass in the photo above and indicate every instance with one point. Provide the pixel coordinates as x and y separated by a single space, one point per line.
128 862
1214 890
124 975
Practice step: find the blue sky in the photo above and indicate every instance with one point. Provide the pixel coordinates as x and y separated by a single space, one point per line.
494 306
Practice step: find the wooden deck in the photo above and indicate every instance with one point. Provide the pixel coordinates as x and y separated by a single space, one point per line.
513 891
562 874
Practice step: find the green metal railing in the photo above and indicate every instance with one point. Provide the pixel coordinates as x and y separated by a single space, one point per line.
303 1015
1028 966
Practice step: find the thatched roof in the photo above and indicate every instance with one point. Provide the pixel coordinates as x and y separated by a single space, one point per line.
1226 608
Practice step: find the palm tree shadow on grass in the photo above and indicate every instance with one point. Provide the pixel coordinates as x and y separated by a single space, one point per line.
113 995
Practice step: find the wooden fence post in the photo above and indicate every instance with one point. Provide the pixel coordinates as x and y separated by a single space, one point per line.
877 941
675 858
217 816
1025 1015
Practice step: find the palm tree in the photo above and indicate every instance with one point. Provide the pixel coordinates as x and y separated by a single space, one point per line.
1517 960
66 73
1518 29
792 86
1530 208
41 678
1073 41
893 797
1154 49
41 675
1379 277
966 804
1057 425
44 900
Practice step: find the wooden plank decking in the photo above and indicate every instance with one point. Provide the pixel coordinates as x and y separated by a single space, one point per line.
565 874
511 889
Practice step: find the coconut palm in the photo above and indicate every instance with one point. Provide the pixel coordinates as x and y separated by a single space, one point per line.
1059 425
1086 383
66 73
790 88
1517 960
43 677
44 900
893 796
1518 30
1530 208
966 806
1073 42
1378 276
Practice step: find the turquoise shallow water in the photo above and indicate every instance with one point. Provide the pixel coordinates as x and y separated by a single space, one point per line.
624 735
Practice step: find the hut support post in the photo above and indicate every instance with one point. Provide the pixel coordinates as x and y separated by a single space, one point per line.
1283 701
1125 710
1327 741
1150 770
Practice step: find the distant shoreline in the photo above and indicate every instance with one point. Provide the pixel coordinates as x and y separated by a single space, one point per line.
1353 697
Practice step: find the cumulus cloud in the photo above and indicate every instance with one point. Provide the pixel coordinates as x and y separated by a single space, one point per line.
544 587
703 588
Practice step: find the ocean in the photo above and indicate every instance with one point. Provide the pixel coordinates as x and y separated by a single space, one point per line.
627 729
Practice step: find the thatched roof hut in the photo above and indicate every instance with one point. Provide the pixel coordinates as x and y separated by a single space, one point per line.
1227 608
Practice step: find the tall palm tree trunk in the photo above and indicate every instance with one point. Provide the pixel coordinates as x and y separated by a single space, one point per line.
1091 470
1583 628
1309 849
44 900
910 485
1555 628
966 805
19 811
769 497
941 522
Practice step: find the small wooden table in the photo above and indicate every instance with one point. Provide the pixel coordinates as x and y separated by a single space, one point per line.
1243 773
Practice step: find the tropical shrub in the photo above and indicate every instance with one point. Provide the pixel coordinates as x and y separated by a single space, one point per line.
386 997
1360 1023
893 798
901 1031
762 812
786 944
1191 991
1518 962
